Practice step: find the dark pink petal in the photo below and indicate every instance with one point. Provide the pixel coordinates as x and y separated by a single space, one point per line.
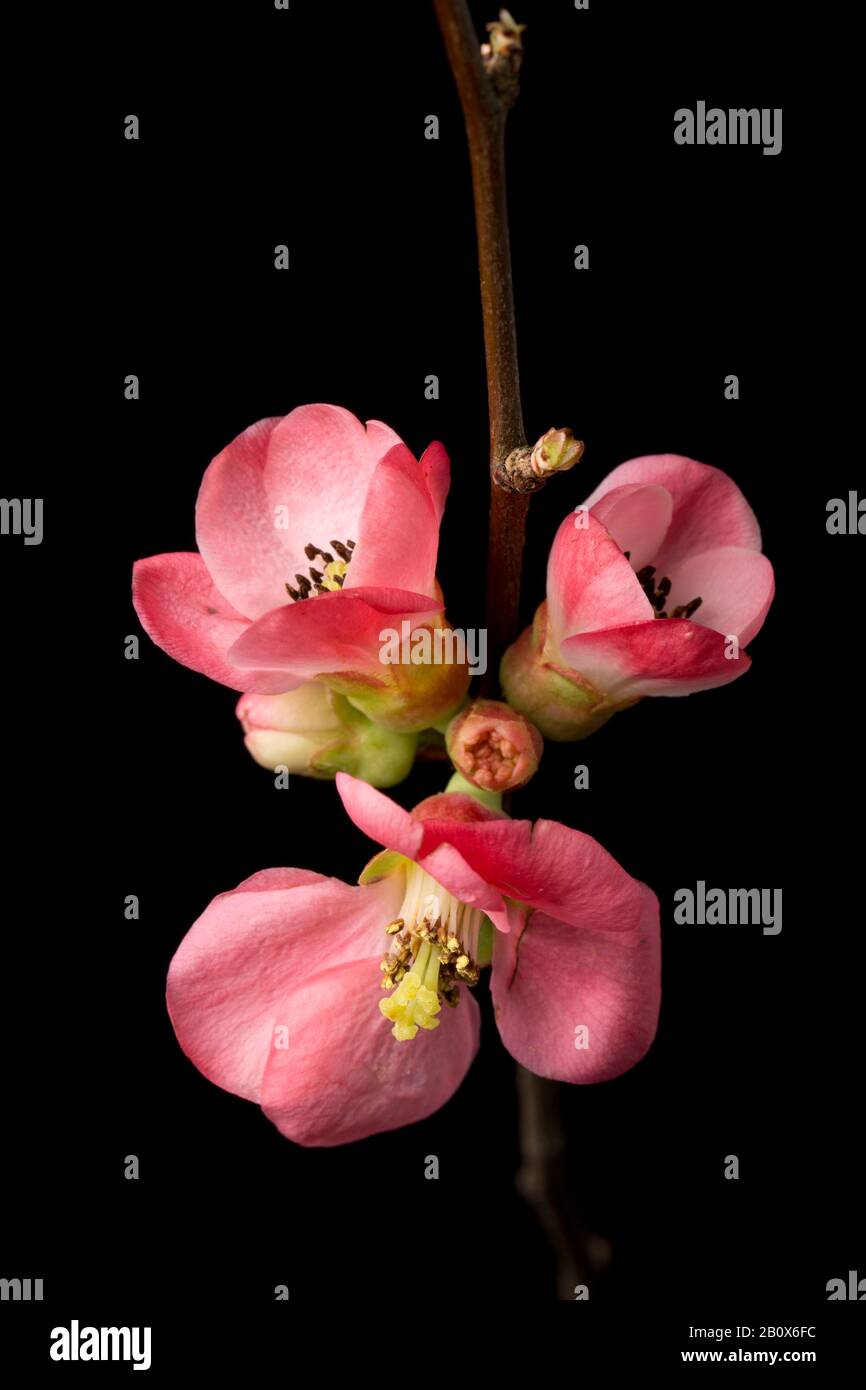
244 550
637 518
547 865
254 947
379 817
590 583
448 867
398 531
343 1076
668 656
436 467
709 509
182 612
329 633
555 978
736 589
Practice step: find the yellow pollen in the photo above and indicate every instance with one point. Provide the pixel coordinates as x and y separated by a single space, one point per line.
433 947
334 575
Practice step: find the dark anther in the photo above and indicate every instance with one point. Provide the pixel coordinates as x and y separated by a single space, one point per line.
687 609
627 554
304 585
341 550
664 587
316 575
350 545
646 574
292 593
311 551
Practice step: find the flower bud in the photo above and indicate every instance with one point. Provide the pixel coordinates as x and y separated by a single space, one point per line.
555 452
493 746
315 732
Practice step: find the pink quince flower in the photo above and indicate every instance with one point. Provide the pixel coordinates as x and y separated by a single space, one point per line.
654 587
315 534
274 993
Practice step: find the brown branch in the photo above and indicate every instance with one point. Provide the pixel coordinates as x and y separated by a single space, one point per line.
545 1182
487 84
485 113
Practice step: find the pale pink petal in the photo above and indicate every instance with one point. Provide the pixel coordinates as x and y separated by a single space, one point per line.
320 464
736 588
281 485
183 613
256 945
555 978
244 549
668 656
398 531
436 467
590 583
637 518
343 1075
337 632
709 508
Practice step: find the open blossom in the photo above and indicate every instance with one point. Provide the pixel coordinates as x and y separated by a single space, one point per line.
315 534
344 1011
316 732
654 587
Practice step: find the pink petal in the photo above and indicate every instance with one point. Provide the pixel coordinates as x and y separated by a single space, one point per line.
252 948
398 532
338 632
343 1076
637 518
482 858
379 817
736 588
549 866
244 550
709 509
448 867
436 467
668 656
182 612
590 583
281 485
555 978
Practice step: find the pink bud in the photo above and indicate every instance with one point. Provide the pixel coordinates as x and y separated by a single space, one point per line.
493 746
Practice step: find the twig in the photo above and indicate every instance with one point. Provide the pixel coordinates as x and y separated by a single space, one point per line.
487 83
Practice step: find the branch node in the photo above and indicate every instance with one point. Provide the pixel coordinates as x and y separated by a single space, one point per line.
528 468
503 55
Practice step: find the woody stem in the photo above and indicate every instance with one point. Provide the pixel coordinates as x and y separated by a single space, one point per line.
485 115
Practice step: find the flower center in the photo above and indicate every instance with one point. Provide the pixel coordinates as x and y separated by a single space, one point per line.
657 593
434 947
327 580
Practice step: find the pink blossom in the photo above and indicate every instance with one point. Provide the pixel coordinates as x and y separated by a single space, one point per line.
654 587
275 991
315 533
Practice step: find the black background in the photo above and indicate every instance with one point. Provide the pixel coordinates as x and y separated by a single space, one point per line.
261 127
